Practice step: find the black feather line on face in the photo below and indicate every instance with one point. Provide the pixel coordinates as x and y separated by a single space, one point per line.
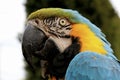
44 48
53 26
61 61
58 62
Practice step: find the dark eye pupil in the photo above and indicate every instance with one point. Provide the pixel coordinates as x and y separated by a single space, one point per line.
62 21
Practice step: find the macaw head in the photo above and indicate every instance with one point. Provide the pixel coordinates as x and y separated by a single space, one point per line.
60 24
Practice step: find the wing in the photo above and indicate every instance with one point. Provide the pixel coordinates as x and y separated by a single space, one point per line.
92 66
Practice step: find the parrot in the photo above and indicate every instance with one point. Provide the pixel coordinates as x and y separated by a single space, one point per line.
68 46
46 37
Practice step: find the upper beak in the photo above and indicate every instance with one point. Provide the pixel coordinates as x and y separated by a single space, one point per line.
33 40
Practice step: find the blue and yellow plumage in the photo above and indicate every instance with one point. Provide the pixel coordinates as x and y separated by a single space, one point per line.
95 60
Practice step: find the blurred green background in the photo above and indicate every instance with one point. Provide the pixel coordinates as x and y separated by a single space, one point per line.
99 12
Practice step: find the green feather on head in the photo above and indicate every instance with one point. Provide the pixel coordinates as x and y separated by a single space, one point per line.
50 12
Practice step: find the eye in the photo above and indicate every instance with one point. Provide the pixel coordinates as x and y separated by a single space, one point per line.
63 22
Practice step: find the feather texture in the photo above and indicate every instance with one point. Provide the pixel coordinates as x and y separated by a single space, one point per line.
74 17
93 66
78 18
100 63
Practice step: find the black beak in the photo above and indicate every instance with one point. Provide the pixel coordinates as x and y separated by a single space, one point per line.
33 40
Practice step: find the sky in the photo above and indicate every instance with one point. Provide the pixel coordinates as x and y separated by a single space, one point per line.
116 5
12 18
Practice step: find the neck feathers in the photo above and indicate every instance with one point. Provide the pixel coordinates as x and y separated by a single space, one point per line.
88 39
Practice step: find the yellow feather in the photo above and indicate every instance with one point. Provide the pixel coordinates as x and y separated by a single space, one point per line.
88 40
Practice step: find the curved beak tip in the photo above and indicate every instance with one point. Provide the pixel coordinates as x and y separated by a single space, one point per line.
32 41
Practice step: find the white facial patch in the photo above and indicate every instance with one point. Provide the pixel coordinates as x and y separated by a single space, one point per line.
55 29
61 43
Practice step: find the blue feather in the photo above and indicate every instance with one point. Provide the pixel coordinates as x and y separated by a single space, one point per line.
78 18
93 66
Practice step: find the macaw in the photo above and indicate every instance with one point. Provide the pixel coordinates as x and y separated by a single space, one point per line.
68 46
47 38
